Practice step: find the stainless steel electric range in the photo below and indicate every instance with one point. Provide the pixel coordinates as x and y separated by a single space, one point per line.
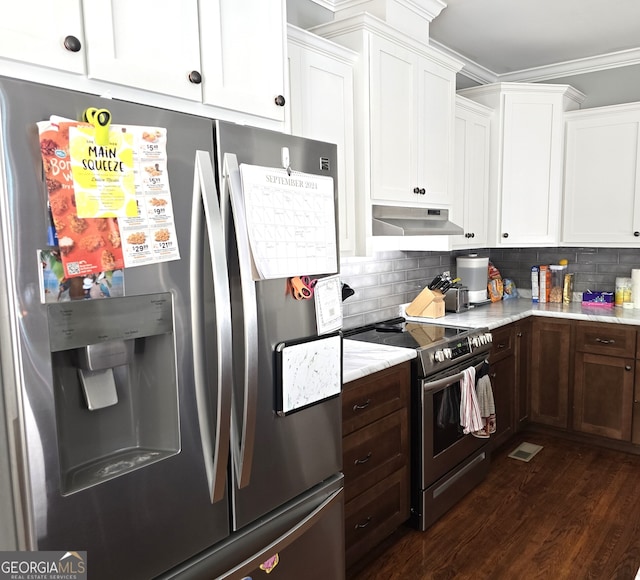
446 463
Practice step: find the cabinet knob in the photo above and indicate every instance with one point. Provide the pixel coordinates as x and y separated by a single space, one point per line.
280 101
473 235
422 191
627 367
636 234
505 235
195 77
72 44
416 190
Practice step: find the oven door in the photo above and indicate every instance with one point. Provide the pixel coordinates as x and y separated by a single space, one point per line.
444 445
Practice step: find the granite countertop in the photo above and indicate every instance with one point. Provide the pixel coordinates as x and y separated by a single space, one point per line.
506 311
362 358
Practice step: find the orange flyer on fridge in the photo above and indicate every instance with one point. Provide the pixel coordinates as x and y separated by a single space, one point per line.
87 245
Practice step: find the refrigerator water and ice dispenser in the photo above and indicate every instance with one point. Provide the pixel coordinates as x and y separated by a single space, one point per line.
115 386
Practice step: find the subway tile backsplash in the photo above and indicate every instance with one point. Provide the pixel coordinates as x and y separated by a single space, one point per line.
388 279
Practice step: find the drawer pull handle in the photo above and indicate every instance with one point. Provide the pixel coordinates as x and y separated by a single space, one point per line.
363 524
605 341
361 461
502 345
364 405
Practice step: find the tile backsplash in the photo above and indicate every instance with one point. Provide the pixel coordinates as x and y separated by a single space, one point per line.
388 279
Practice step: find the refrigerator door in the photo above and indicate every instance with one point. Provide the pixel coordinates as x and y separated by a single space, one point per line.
143 522
276 458
305 539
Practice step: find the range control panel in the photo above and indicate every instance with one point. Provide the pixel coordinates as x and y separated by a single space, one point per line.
462 347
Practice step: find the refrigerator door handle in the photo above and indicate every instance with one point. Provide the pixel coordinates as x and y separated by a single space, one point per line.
242 429
214 431
284 540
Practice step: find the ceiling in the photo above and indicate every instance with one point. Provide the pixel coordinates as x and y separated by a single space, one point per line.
533 40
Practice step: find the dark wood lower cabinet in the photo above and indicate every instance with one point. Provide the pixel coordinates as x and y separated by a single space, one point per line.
375 454
523 373
503 381
603 395
550 363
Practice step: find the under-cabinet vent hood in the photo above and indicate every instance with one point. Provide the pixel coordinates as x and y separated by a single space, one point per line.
412 221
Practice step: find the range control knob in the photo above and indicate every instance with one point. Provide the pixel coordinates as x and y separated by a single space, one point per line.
447 352
439 355
475 341
488 336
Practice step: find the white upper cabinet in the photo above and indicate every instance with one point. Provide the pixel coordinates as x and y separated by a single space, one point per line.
47 33
147 45
471 183
404 121
412 114
243 55
220 52
527 146
602 177
321 108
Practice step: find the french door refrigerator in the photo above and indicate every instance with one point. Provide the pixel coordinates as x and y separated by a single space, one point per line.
144 428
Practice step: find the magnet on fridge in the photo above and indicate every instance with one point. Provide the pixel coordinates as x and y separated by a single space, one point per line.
101 120
270 564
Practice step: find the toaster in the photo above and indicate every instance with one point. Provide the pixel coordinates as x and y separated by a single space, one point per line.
456 299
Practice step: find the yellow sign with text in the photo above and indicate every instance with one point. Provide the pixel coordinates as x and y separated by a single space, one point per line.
103 175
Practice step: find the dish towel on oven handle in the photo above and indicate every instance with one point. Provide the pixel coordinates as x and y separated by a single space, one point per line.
484 393
470 417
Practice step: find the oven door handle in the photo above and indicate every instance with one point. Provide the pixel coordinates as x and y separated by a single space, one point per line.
441 383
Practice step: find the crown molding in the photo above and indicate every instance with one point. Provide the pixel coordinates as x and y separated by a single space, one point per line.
483 75
428 9
470 69
575 67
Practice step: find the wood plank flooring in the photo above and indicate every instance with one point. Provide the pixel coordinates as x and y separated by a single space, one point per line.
572 512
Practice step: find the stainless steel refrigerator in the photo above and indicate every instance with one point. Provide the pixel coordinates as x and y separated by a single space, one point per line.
192 472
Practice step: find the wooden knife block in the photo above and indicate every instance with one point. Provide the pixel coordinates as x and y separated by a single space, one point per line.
427 304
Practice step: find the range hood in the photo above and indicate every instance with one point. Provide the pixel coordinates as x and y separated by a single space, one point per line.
412 221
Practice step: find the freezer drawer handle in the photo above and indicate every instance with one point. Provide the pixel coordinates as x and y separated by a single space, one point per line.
285 539
214 425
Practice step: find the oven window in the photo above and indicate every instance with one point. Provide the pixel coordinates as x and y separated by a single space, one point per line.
446 418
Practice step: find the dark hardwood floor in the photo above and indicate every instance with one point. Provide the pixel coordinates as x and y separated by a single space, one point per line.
572 512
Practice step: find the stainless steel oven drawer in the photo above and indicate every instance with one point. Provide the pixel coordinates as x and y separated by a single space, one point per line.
438 498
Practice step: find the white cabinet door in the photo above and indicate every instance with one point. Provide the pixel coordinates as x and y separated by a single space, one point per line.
527 146
531 167
602 178
243 55
436 113
471 183
35 32
394 152
150 45
412 116
321 107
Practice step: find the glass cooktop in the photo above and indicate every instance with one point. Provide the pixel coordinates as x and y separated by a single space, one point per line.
400 332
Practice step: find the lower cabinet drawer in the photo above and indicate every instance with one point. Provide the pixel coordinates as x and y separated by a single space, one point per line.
375 514
372 453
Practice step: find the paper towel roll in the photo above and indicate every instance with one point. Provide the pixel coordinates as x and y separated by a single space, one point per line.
635 288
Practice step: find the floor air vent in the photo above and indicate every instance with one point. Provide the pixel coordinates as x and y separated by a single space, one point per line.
525 451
